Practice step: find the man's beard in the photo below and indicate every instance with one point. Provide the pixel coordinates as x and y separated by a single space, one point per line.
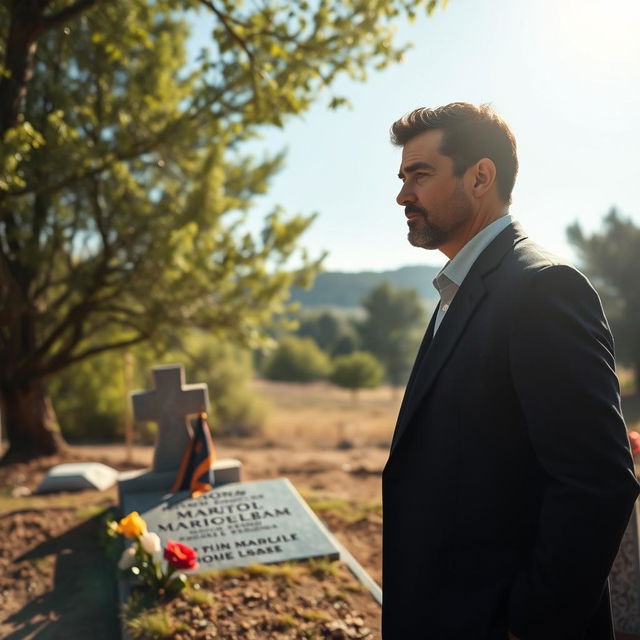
427 235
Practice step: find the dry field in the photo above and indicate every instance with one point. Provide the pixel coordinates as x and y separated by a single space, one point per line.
321 415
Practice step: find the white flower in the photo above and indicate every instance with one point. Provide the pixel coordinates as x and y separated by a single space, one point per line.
127 558
150 542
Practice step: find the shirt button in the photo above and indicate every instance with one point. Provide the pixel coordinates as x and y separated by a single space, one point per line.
444 307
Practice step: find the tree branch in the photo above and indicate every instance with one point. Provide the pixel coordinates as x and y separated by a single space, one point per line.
66 14
59 364
226 23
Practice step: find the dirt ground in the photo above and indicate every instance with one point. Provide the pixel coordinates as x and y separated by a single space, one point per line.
56 582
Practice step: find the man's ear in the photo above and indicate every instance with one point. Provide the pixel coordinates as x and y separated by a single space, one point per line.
483 175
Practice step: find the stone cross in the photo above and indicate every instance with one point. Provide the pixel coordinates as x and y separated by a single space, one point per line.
169 405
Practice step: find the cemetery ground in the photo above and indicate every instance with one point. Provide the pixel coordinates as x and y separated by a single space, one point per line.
56 581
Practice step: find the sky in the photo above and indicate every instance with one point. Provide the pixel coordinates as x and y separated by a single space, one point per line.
565 74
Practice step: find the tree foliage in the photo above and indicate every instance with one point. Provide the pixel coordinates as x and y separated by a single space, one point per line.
357 370
611 258
395 323
123 185
89 397
332 333
297 360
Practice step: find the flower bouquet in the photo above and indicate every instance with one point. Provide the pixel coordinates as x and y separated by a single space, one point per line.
140 560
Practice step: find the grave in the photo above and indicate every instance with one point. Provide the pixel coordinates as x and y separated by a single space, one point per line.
78 476
169 404
235 524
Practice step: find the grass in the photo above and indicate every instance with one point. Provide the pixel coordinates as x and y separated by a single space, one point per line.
288 572
91 511
81 500
322 567
196 596
349 511
284 621
145 619
43 563
336 595
154 624
311 615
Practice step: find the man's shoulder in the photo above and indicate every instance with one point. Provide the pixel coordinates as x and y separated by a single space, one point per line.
528 259
530 268
529 256
529 264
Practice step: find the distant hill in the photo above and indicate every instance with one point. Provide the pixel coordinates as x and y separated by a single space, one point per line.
339 289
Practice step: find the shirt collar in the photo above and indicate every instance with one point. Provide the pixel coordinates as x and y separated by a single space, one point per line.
456 270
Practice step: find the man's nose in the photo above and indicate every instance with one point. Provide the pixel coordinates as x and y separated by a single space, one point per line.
405 196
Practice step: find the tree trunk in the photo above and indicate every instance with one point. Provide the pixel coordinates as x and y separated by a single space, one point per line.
30 423
25 19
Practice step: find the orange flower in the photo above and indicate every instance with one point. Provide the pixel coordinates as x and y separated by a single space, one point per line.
132 526
180 556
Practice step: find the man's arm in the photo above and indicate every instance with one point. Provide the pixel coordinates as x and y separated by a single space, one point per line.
561 357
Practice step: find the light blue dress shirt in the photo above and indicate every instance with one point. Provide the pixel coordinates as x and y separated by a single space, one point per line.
451 276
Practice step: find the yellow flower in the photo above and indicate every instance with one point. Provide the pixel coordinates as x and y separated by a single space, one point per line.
132 526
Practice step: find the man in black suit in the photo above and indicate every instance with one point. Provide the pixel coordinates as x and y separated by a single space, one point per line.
509 482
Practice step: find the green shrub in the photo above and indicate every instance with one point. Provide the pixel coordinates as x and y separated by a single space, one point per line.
358 370
297 360
89 398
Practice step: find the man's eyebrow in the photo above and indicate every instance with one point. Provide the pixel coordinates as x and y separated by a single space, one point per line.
414 167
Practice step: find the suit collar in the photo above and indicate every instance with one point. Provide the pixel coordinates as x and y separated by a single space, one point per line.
435 350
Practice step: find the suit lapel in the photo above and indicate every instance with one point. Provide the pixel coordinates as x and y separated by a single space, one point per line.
424 346
435 350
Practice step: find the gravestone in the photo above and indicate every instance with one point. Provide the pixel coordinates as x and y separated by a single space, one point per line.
624 579
170 404
78 476
238 524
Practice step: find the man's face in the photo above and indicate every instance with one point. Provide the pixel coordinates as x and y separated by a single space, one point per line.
437 208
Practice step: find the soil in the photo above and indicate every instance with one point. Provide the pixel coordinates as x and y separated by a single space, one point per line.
56 582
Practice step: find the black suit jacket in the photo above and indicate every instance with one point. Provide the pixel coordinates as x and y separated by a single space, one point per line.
509 482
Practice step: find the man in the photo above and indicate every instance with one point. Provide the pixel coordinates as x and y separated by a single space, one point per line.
509 481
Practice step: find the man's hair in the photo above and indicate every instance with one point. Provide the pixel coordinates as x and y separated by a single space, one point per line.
469 134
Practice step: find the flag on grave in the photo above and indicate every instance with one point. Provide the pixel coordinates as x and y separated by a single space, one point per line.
196 469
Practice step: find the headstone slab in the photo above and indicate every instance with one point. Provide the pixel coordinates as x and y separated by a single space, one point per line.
238 524
169 404
78 476
624 579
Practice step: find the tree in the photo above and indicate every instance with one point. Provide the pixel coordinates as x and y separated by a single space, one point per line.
358 370
122 182
297 360
395 323
332 333
611 258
